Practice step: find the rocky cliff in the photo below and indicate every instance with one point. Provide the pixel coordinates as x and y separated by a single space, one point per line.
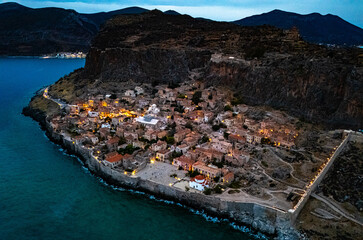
263 65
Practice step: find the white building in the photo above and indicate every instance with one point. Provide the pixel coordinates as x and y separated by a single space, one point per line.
153 110
130 93
92 114
105 125
147 120
199 182
139 90
182 148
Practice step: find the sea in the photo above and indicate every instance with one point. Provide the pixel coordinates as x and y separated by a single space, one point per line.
47 194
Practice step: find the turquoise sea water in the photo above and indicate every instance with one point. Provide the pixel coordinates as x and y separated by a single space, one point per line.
46 194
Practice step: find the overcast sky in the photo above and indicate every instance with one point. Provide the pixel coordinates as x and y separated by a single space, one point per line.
221 10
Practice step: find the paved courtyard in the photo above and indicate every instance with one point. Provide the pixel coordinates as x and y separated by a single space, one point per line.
160 172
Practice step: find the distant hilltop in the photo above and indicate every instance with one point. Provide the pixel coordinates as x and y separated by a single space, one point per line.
30 31
314 27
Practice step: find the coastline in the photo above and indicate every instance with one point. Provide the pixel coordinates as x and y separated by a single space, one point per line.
45 56
267 221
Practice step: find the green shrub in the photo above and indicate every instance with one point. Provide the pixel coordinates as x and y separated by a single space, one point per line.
227 108
207 191
218 189
196 97
235 184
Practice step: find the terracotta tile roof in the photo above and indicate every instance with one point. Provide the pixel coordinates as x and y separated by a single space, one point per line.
114 157
185 159
113 140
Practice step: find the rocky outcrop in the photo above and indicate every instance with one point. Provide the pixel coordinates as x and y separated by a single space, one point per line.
152 65
313 88
263 65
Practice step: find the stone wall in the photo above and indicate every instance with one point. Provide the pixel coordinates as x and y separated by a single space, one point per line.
294 213
260 217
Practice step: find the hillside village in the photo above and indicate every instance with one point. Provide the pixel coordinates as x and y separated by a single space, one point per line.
196 129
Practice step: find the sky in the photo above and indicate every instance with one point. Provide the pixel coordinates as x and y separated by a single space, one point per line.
219 10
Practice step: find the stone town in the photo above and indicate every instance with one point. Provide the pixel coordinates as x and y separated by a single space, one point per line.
195 129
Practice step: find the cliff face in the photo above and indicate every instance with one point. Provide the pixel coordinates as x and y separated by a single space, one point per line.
264 65
314 89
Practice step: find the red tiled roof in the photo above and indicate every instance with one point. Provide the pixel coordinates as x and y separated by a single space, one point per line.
113 140
114 158
111 154
235 137
164 151
199 177
229 175
184 159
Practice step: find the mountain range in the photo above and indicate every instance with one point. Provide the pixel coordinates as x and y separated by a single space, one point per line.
314 27
29 31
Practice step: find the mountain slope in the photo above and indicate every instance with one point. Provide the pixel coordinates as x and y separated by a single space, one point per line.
28 31
314 27
101 17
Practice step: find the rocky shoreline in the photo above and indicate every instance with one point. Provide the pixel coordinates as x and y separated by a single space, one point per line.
268 221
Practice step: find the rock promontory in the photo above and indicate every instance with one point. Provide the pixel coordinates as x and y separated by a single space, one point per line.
262 65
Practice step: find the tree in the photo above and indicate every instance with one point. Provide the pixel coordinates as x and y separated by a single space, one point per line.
207 191
205 139
108 119
122 141
218 164
189 125
216 127
170 140
173 85
196 97
155 83
227 108
175 154
255 52
192 173
222 125
179 109
218 189
129 149
237 99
